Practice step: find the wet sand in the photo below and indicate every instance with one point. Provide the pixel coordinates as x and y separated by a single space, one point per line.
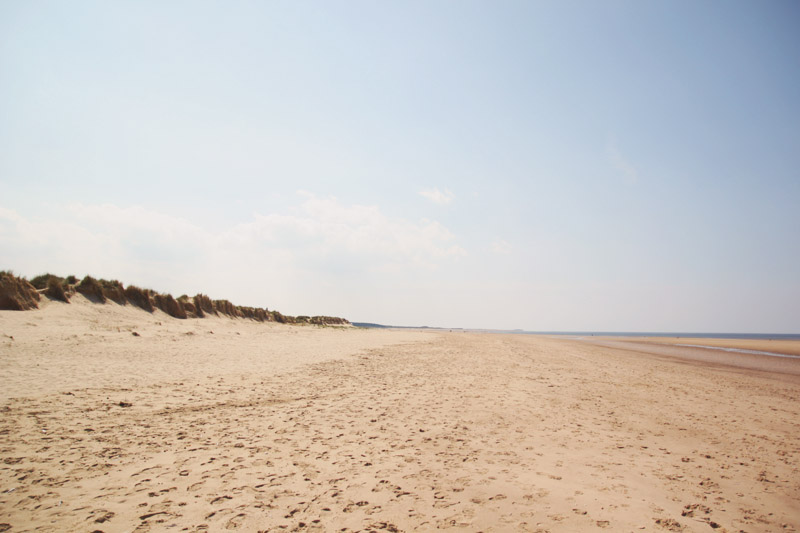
280 428
784 355
778 346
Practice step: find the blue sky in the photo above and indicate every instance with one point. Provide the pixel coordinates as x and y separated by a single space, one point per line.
610 165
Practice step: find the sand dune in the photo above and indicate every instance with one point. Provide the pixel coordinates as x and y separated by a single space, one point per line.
268 427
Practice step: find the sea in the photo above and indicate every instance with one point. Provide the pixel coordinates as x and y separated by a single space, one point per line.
754 336
580 335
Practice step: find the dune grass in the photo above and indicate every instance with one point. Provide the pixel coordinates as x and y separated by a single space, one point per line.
41 281
204 305
55 289
113 290
52 286
16 293
92 289
139 297
169 305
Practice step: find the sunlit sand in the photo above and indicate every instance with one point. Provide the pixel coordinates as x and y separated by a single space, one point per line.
223 423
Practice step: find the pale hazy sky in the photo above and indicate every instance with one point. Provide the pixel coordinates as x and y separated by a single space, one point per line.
613 165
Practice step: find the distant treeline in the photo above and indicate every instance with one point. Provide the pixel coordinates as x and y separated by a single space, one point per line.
19 294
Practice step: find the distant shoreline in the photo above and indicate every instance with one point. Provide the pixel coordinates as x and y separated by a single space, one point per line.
675 335
771 355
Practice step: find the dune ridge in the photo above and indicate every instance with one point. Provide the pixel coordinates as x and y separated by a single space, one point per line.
19 294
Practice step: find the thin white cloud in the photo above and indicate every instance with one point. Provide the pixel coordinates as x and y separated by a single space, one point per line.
620 162
501 247
437 196
321 227
316 239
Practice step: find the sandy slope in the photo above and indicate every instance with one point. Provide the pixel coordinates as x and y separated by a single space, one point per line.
287 428
67 346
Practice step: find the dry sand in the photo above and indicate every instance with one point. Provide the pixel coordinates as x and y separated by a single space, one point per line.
274 428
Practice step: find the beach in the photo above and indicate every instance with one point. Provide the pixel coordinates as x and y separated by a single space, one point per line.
114 419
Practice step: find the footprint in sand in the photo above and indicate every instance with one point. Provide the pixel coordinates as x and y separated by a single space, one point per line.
236 522
101 516
669 524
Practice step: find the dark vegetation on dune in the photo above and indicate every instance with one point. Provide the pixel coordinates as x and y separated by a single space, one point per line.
19 294
55 290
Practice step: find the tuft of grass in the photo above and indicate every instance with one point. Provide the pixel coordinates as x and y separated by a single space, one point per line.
139 298
92 289
254 313
113 290
188 307
204 305
198 310
169 305
52 286
41 281
329 321
55 289
16 293
226 308
280 318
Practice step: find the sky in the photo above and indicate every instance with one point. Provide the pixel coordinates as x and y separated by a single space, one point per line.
546 166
